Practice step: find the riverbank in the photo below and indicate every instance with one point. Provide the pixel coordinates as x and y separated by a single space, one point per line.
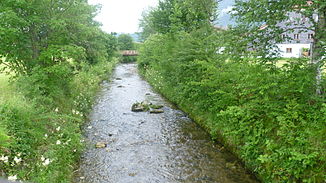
270 117
39 142
234 139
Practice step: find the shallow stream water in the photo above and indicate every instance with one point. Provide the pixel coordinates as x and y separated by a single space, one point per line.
149 148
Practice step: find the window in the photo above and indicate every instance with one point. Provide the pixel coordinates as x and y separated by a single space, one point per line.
288 50
310 36
296 36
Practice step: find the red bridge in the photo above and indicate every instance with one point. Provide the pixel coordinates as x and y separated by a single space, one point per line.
129 53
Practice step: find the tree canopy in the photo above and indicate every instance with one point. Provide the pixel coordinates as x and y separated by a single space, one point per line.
171 16
264 21
44 32
125 42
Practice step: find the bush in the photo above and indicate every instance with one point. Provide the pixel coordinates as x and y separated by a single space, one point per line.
44 128
269 116
128 59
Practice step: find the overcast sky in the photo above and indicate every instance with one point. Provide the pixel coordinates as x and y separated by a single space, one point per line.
122 16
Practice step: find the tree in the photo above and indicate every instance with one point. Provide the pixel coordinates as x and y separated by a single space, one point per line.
42 33
146 26
261 20
190 15
172 16
125 42
111 44
157 20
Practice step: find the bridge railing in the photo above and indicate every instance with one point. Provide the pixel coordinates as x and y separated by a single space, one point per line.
129 53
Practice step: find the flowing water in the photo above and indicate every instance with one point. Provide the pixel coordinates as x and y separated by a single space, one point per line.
149 148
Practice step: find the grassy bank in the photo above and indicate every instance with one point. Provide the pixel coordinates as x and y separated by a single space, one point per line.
5 91
40 135
268 116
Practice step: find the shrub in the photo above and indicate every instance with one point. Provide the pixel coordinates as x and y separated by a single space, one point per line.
44 124
269 116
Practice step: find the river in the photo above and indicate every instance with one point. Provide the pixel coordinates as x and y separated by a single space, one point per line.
147 148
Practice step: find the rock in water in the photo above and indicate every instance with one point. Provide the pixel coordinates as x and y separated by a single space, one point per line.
153 106
146 103
156 111
137 107
140 107
101 145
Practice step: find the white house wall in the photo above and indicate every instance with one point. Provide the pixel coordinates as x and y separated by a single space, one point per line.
296 50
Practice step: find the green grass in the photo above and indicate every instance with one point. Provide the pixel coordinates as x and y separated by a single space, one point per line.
39 132
3 85
283 61
6 89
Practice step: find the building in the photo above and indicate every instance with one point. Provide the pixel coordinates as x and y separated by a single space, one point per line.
297 38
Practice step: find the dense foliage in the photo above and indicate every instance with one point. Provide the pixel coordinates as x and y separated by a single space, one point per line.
41 143
269 115
125 42
44 33
57 56
264 22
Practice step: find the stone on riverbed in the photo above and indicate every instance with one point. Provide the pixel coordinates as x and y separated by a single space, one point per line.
147 106
140 107
156 111
100 145
153 106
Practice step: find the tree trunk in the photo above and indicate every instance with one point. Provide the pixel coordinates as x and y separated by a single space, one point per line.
318 48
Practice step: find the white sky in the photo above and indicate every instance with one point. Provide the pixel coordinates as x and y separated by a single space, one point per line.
122 16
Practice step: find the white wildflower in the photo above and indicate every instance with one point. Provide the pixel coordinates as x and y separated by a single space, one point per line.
12 178
67 142
46 162
19 154
89 127
56 110
42 158
58 129
58 142
4 158
17 160
75 150
46 135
